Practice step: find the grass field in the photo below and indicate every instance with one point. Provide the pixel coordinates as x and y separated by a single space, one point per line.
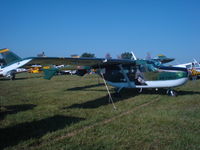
71 112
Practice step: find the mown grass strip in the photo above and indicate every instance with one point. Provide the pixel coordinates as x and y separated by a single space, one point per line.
104 122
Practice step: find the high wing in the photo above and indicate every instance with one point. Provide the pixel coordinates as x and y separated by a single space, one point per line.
90 62
13 62
79 64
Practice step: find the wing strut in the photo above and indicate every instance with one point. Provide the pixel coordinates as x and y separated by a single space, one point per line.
110 97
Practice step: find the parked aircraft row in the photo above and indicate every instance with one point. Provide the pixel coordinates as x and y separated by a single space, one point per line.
119 73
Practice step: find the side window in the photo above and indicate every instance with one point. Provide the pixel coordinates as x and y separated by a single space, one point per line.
151 68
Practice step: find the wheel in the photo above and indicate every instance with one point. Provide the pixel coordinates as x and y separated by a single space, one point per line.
140 90
171 92
12 77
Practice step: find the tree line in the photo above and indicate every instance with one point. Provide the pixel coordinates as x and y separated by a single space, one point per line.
125 55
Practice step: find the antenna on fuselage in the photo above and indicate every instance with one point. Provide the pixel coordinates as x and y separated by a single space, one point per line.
133 56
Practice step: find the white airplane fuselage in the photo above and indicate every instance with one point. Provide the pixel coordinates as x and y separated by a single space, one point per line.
6 70
165 77
151 84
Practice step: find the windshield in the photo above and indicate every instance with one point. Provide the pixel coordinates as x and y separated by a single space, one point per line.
149 65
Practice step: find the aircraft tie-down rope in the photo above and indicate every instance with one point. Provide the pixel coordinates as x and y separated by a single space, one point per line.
110 97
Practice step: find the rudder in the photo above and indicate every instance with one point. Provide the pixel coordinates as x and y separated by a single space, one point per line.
8 56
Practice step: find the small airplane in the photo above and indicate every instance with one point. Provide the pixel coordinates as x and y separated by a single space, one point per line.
12 64
193 68
119 73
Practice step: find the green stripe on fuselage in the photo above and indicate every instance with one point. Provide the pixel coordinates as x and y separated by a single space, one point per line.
152 76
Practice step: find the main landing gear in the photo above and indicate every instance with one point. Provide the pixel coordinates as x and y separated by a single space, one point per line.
171 92
11 75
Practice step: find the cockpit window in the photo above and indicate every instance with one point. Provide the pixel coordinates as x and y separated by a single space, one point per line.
151 68
149 65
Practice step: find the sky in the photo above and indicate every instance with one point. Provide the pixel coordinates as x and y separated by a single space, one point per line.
64 27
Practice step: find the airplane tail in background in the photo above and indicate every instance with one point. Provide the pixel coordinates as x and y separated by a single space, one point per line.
163 59
49 73
133 56
8 56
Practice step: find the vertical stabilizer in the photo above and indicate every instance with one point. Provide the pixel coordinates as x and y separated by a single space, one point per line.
8 56
133 56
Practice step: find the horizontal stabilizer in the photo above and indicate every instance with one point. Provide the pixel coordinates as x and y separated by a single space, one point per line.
49 73
163 59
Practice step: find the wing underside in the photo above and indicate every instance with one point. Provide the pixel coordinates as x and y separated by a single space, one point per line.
90 62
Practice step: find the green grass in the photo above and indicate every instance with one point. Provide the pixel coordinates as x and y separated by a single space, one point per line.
71 112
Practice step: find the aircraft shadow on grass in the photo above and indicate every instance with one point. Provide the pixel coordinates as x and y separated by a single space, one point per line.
11 136
181 92
103 100
125 94
85 87
13 109
22 78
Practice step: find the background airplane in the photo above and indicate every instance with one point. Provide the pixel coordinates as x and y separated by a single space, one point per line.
11 63
193 68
